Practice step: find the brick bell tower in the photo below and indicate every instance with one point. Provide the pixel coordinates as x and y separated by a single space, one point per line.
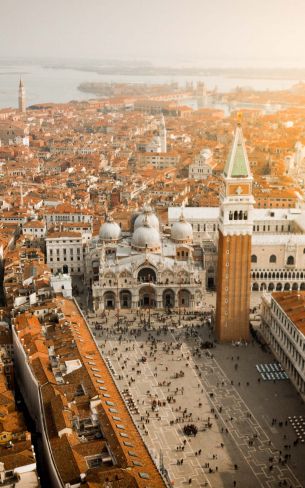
21 97
234 245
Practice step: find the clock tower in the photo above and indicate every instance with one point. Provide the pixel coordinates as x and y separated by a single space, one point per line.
234 245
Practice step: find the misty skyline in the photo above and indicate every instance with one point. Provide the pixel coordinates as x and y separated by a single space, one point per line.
195 32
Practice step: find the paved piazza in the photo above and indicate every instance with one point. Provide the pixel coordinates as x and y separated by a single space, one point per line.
244 437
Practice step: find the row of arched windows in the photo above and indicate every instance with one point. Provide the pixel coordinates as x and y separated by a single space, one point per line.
238 215
279 275
277 286
272 259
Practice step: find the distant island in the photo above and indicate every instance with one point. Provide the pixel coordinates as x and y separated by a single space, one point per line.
130 69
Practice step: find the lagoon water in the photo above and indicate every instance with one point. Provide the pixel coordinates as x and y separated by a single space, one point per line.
60 85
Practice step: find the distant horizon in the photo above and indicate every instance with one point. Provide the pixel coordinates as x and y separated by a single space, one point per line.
236 34
210 63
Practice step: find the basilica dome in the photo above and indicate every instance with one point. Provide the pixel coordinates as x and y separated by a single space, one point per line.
146 238
110 231
147 215
182 231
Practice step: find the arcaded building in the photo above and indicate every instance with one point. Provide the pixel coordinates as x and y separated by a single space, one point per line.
283 328
145 268
277 251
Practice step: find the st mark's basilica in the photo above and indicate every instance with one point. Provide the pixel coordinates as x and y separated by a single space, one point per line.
146 267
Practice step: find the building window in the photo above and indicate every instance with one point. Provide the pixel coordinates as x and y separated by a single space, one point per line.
272 259
253 258
290 260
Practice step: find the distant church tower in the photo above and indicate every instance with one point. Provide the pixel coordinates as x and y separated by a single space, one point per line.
162 133
234 245
21 97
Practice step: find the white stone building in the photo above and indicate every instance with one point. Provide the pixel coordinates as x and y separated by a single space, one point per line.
62 283
283 316
65 253
35 228
203 165
64 213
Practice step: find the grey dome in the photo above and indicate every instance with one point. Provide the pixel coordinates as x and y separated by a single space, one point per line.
147 215
146 238
182 231
110 231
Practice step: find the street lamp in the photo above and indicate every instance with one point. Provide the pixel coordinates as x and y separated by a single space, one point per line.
118 302
161 462
149 288
179 299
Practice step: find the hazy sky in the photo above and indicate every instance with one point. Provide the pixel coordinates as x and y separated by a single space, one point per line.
231 32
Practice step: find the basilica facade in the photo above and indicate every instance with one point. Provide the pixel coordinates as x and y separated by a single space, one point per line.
145 267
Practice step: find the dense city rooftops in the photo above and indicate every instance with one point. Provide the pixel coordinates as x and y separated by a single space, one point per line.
17 457
88 424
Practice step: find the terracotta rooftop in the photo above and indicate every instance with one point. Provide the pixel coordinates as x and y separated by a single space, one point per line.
84 411
293 304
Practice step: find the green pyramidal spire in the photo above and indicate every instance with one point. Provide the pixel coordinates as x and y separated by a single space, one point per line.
237 165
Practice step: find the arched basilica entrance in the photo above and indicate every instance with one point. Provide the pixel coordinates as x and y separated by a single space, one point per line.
168 298
147 297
